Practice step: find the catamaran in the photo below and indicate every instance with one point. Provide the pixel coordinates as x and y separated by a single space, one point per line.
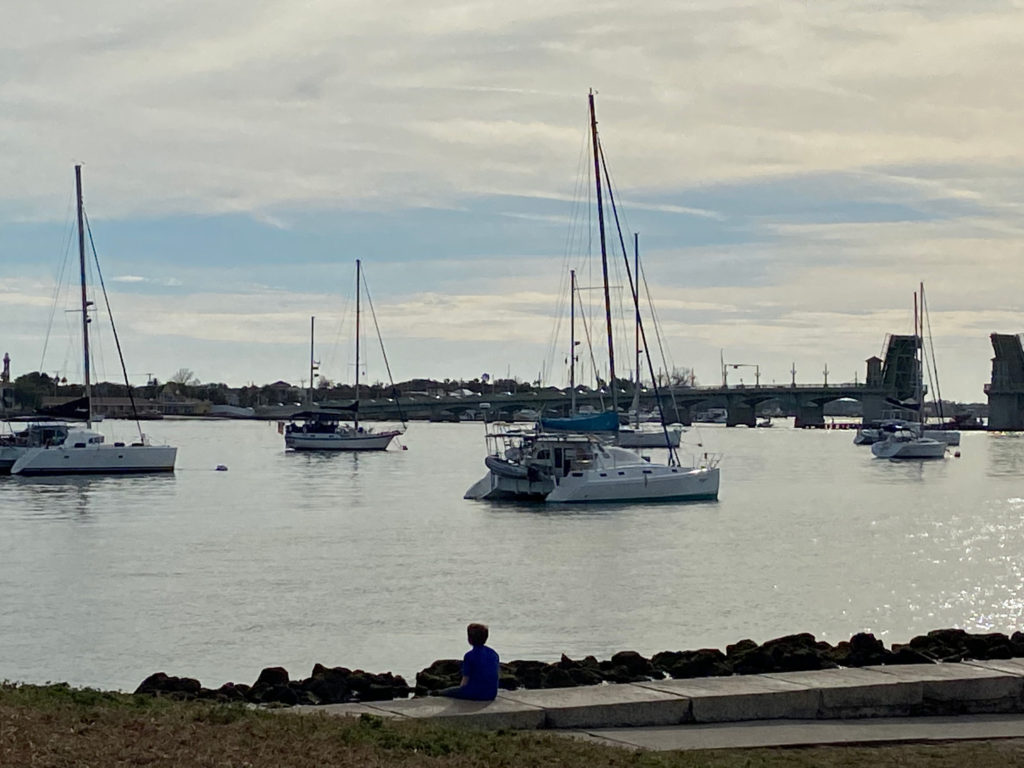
576 466
76 450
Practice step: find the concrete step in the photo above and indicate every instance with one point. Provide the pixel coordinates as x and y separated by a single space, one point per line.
980 687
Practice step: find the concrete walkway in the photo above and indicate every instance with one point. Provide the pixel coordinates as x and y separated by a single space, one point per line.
802 733
829 705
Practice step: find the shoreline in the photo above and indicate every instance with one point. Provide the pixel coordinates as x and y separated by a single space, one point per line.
790 653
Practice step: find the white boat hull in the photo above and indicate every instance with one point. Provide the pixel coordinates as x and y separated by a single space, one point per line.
367 441
632 483
917 448
869 436
95 460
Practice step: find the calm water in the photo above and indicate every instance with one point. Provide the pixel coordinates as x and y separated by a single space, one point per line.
375 561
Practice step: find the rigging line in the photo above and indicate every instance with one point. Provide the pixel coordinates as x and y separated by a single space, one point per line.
933 370
117 340
59 283
658 337
673 456
384 354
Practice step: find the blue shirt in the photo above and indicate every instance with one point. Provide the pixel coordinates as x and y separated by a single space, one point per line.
480 665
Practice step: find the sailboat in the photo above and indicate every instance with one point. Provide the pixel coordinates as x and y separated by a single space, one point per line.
908 440
577 467
77 450
326 429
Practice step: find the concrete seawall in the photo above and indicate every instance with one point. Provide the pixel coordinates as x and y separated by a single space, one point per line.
975 687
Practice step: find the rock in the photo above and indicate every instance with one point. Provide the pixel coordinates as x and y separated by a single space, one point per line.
275 694
272 676
161 684
993 645
740 648
443 673
864 650
556 677
633 662
706 662
233 692
329 684
530 674
586 676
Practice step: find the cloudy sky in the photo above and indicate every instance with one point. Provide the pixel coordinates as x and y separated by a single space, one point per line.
794 170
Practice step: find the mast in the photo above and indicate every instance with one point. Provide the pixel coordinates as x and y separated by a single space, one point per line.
312 359
918 372
604 255
358 277
85 300
636 303
572 342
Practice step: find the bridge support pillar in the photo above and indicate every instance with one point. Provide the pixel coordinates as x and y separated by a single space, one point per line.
1006 411
872 407
681 414
740 412
809 415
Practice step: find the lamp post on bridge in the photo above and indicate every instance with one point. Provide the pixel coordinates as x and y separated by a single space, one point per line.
735 366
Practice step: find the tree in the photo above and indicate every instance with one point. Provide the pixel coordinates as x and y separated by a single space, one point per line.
184 376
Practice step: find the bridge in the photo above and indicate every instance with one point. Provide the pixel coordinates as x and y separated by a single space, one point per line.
1006 390
887 381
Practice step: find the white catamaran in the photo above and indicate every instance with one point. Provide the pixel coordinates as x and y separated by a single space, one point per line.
577 466
78 450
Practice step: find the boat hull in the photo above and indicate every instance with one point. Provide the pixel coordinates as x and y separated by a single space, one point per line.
368 441
630 484
919 448
869 436
95 460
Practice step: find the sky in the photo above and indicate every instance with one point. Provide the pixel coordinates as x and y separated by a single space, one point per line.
794 171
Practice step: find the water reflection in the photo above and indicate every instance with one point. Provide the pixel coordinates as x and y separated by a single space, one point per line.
1005 454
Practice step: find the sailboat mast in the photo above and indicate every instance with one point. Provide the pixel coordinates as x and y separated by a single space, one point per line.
636 304
312 359
572 342
358 278
85 299
604 254
918 372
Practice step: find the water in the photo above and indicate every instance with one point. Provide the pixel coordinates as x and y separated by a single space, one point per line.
376 561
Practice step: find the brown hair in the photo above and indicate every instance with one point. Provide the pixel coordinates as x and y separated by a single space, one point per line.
477 634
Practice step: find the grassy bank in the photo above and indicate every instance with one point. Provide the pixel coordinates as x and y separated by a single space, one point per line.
43 726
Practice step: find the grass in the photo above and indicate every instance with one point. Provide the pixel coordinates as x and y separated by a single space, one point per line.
60 727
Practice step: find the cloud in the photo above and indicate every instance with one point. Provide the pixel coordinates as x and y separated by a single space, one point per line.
794 169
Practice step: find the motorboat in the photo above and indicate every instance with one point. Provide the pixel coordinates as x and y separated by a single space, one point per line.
580 468
327 431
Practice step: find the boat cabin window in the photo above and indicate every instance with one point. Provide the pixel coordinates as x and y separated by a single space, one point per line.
79 445
543 454
558 458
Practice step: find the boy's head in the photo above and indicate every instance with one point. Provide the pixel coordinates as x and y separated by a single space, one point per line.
477 634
